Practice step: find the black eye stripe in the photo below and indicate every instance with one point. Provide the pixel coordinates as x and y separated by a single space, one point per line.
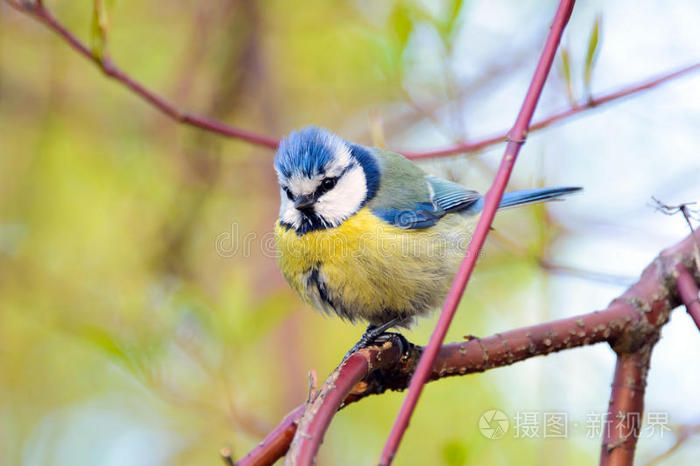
326 185
323 186
324 189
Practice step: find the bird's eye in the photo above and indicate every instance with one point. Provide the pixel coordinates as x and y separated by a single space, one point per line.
289 193
329 183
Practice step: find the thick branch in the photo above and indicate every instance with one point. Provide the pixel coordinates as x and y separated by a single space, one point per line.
628 324
626 406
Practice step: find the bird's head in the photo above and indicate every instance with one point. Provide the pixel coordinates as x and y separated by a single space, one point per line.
323 179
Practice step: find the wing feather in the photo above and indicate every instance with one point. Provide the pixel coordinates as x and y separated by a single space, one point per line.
441 197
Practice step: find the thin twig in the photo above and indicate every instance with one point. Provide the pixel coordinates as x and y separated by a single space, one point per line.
687 213
320 411
276 444
39 12
596 102
517 138
313 384
227 456
550 266
110 69
628 323
592 275
683 433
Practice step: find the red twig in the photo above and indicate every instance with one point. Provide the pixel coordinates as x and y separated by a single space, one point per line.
624 418
478 355
628 323
493 198
561 115
626 407
39 12
276 444
688 291
320 411
42 14
454 359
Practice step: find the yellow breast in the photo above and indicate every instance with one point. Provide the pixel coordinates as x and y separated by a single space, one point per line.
368 269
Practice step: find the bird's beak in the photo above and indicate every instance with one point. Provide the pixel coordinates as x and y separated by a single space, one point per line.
303 202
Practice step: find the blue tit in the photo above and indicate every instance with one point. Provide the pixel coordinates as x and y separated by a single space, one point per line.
366 234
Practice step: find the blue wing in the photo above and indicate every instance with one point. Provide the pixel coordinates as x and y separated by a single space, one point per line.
442 197
446 197
410 199
449 196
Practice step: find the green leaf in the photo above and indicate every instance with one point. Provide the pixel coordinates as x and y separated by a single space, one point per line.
100 26
446 25
401 24
456 7
591 54
565 70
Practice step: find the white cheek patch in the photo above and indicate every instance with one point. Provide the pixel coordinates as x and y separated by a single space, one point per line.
336 205
345 198
288 214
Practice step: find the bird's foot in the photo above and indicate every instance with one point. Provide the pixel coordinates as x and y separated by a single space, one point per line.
377 334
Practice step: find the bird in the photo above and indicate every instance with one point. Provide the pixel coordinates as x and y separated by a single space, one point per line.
366 234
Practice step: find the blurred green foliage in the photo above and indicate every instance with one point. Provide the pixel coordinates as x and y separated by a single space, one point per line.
591 55
125 336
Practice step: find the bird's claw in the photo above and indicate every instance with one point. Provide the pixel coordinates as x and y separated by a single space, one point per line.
379 335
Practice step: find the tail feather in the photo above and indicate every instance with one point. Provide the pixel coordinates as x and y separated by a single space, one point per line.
528 196
531 196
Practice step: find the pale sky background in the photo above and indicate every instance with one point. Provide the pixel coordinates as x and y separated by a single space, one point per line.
621 154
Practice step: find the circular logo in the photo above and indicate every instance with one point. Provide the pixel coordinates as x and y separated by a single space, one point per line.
493 424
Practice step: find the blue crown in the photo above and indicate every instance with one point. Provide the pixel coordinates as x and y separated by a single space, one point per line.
307 151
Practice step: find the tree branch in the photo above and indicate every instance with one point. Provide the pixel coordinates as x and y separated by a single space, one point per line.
630 324
492 200
683 433
42 14
688 291
39 12
276 444
589 104
318 413
623 420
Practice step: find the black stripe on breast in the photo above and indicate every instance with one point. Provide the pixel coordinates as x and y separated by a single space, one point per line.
315 280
